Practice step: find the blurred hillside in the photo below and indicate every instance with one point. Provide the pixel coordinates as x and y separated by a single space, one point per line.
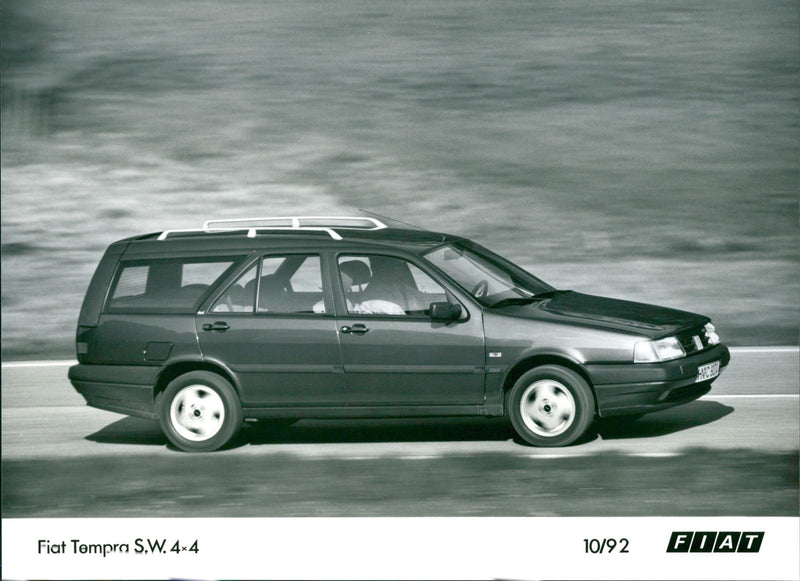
632 149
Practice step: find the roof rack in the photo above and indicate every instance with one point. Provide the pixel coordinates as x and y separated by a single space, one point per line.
306 223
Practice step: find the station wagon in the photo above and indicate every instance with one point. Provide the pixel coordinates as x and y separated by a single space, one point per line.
283 319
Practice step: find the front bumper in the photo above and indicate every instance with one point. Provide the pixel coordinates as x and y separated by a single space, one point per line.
635 388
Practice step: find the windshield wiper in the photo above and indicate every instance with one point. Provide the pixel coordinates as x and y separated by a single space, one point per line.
526 300
514 301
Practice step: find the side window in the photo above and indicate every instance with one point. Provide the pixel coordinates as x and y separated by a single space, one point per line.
290 285
132 282
165 286
307 278
240 297
384 285
427 286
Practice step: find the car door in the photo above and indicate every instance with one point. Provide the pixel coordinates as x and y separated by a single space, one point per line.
393 352
274 328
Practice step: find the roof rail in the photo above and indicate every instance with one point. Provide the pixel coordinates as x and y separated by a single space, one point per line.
357 222
306 223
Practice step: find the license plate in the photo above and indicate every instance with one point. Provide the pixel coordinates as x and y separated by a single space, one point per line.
707 371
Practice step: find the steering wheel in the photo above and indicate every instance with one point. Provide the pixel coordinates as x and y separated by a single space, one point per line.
480 289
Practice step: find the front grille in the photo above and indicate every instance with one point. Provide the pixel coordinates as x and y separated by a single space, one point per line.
693 340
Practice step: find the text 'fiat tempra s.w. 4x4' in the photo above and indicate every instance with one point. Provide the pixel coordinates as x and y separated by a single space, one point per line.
281 319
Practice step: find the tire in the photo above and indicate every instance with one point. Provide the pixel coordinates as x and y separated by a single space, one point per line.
199 411
550 406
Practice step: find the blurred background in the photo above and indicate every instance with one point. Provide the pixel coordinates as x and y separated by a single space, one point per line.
641 150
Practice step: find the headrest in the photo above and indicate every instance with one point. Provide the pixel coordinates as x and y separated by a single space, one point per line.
270 283
356 270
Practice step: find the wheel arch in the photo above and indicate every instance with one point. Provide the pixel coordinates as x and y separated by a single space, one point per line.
530 362
178 368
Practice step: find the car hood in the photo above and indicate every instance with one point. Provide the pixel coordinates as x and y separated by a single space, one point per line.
627 316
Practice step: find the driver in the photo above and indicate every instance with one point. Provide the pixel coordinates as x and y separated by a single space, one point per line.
392 290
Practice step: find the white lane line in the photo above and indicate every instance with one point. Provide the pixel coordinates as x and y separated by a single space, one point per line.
784 349
555 456
441 456
63 363
748 396
365 458
653 454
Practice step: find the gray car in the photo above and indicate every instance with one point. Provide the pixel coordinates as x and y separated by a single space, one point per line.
281 319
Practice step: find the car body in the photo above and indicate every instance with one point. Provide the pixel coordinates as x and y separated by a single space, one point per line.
280 319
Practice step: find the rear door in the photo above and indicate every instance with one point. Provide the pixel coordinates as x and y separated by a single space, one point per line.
273 327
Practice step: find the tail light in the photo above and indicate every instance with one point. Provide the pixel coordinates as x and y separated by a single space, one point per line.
84 344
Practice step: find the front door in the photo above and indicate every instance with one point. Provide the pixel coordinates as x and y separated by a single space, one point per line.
273 327
393 353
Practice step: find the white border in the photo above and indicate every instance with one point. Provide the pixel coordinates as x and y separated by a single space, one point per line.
396 548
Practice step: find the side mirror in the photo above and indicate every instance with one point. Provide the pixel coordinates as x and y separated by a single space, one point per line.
445 311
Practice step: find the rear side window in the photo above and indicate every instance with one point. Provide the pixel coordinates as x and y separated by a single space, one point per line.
165 286
277 285
290 285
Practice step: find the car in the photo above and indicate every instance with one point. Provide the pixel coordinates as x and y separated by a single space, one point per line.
283 319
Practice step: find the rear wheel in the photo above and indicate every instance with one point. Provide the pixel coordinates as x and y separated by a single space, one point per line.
550 405
199 411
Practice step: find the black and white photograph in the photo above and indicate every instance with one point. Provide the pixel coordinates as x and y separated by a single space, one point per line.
428 289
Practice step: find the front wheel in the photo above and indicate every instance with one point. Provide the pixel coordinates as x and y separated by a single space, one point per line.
199 411
550 406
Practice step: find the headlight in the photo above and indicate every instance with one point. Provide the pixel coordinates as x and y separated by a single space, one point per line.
711 334
655 351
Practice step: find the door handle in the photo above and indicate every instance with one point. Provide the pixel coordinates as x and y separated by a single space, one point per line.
217 326
357 329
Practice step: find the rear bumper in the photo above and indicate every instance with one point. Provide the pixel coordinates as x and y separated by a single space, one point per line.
118 388
642 388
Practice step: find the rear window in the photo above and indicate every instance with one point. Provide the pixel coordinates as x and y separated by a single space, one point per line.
166 286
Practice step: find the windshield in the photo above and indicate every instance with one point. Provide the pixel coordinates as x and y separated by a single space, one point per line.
489 278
